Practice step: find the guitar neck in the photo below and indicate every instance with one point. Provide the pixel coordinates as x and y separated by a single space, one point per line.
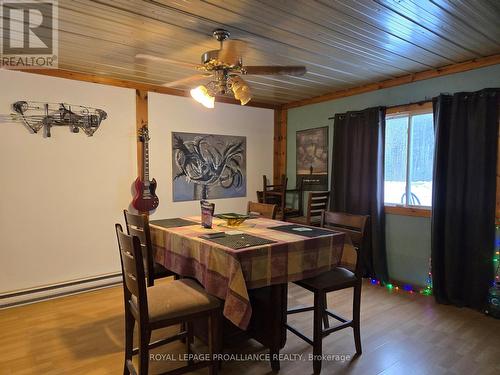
145 161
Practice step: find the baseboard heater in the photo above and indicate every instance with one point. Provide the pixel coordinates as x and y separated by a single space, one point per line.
22 297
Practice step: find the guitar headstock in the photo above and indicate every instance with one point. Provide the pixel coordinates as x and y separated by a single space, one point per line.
143 134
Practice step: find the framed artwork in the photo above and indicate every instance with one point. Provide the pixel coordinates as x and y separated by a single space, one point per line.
208 166
312 159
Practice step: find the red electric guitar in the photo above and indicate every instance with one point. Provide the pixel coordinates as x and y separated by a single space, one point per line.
145 198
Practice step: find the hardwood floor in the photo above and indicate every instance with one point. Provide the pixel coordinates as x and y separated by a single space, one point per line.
401 334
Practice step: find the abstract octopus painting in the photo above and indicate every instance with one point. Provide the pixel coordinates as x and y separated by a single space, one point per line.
208 166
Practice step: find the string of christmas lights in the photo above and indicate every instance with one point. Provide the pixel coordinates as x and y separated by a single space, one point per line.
427 291
493 308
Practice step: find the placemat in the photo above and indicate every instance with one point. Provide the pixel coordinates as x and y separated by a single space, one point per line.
172 223
240 241
314 232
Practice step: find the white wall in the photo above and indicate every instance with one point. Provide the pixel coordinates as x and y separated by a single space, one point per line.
169 114
60 196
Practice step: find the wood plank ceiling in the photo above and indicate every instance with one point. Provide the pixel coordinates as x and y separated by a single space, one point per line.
343 44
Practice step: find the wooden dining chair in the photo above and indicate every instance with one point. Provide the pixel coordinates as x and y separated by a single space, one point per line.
263 209
138 225
317 202
276 194
164 305
354 226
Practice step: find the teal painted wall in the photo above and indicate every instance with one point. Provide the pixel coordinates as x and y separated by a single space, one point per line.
408 243
408 238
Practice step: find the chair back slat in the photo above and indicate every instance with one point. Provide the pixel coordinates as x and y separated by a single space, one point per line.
316 204
263 209
138 225
316 212
346 220
139 233
276 193
132 263
137 220
352 225
355 236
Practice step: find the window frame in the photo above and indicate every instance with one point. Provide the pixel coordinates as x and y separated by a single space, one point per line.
408 110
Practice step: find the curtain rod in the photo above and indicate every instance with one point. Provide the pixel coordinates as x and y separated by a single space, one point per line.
421 102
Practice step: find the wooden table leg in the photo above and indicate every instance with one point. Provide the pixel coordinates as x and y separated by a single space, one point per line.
279 293
275 362
267 325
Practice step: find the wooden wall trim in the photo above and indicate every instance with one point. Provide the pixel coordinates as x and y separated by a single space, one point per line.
408 211
280 139
105 80
409 78
415 107
141 119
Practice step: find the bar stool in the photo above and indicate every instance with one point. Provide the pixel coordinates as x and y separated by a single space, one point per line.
138 225
317 202
159 306
338 278
263 209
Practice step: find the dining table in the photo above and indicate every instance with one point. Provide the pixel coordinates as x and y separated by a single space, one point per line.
248 267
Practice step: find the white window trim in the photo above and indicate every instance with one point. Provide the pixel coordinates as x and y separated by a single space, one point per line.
408 111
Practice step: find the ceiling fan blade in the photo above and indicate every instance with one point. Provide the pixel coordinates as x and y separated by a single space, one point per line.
164 60
187 80
280 70
232 51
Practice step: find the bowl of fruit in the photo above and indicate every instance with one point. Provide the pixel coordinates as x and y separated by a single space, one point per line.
232 219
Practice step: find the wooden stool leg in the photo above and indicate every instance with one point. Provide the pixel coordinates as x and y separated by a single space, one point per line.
189 340
129 339
318 331
326 323
182 328
219 349
214 331
356 317
144 335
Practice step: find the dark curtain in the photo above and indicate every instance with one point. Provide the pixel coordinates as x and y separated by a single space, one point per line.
463 213
358 179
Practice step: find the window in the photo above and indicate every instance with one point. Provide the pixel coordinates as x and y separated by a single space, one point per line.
409 154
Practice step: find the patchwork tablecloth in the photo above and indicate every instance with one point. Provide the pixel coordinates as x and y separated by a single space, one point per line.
228 273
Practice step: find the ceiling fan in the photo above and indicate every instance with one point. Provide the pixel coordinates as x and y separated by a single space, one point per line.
224 67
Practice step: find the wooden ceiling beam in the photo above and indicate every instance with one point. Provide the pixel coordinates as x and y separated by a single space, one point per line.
409 78
110 81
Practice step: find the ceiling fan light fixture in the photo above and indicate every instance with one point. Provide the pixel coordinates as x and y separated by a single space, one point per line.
241 90
201 95
224 66
244 96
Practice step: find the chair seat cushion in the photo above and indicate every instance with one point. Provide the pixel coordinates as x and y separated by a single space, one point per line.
332 279
177 298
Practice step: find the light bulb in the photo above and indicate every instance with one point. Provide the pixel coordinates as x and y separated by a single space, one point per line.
241 90
245 96
201 95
